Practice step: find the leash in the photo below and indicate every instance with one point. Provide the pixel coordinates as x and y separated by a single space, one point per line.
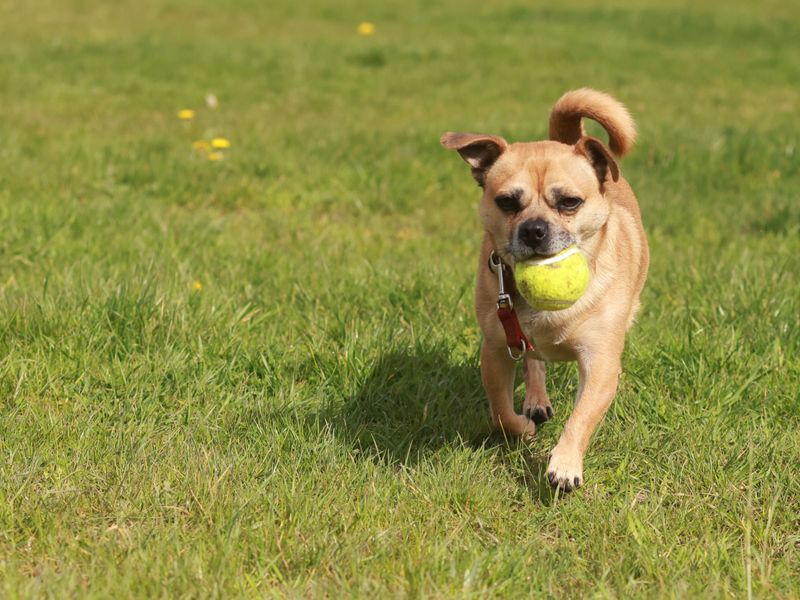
516 341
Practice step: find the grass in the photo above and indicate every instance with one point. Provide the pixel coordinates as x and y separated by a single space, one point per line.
311 422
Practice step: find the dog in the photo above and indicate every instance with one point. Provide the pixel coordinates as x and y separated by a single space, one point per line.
538 199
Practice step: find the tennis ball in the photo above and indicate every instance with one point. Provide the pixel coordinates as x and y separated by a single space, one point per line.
555 282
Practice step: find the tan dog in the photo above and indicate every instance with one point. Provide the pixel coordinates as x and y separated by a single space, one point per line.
539 198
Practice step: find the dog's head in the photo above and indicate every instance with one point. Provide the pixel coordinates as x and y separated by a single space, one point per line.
541 197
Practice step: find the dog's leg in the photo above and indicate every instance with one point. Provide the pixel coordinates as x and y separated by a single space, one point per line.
598 384
537 405
497 373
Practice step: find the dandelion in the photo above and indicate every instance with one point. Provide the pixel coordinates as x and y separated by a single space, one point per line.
366 28
215 156
197 286
186 114
220 143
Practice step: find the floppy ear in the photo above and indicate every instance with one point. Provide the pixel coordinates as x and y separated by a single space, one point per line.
599 157
479 151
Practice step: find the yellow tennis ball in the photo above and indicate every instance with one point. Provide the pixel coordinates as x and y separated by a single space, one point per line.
555 282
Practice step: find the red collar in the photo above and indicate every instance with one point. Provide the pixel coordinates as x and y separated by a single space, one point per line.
507 287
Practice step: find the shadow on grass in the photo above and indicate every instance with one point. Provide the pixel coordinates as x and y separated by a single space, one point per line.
413 403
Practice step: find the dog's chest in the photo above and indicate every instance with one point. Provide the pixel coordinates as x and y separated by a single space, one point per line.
549 339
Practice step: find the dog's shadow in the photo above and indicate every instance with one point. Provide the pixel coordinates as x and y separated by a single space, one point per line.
413 403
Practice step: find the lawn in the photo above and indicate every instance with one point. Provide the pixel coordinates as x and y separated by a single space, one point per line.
258 376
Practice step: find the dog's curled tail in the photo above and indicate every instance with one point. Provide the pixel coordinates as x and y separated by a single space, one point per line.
565 119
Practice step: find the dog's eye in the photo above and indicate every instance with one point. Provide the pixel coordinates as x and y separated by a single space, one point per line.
569 204
508 203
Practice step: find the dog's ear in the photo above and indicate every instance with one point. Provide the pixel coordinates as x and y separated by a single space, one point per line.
599 157
479 151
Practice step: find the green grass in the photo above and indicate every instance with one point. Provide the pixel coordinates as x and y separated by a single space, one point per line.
311 422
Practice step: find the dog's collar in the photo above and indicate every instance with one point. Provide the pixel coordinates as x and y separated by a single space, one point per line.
518 345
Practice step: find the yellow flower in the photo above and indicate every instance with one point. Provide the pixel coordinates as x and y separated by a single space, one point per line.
197 286
366 28
186 114
220 142
215 156
201 146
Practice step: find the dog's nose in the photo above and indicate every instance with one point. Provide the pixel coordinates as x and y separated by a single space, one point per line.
533 231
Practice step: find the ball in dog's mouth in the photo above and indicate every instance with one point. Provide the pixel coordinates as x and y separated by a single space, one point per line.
555 282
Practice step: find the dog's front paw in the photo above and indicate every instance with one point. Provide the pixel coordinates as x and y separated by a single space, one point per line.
517 425
565 470
529 429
